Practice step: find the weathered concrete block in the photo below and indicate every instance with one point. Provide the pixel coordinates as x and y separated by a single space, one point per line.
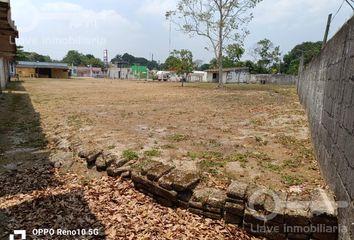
163 201
256 197
153 187
182 204
90 155
197 205
297 212
232 219
274 206
145 166
216 216
237 190
180 181
323 208
235 209
196 211
101 164
155 173
251 216
115 160
325 236
185 196
113 171
216 199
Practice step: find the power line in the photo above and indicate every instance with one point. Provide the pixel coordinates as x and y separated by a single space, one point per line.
340 7
350 3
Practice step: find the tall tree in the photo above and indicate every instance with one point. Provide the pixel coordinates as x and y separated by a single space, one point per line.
268 55
181 62
73 57
76 58
292 59
217 20
235 52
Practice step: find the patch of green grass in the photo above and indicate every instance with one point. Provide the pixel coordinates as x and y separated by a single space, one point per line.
292 180
245 87
210 155
245 157
301 148
211 166
152 153
130 155
239 157
272 167
292 163
179 137
192 155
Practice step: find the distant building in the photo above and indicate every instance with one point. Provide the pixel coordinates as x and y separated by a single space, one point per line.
42 70
140 72
87 72
230 75
198 76
119 73
8 33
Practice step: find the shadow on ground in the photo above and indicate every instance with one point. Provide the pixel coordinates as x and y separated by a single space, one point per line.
25 171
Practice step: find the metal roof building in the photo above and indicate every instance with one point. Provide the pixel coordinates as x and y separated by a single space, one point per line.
42 70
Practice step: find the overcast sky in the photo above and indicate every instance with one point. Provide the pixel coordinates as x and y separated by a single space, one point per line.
52 27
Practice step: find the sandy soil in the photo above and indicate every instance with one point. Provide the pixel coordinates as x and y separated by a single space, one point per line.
249 132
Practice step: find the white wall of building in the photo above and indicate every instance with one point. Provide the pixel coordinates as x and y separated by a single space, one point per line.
3 78
119 73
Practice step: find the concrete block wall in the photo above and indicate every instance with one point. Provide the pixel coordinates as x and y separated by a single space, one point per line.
326 89
280 79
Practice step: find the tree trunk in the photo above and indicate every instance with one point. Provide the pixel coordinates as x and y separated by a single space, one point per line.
221 81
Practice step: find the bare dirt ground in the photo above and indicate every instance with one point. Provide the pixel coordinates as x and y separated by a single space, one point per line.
255 133
33 195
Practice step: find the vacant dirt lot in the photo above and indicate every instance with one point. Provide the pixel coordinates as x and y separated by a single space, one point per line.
251 132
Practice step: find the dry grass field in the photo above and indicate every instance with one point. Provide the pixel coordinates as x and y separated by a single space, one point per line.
249 132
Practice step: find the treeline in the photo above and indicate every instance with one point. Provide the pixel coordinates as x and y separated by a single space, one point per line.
266 58
73 57
127 59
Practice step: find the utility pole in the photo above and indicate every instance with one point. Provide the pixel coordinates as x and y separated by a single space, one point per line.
169 15
329 21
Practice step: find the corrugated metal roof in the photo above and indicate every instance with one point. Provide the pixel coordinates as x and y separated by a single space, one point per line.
24 64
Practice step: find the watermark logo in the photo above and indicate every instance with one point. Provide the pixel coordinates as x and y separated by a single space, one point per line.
18 233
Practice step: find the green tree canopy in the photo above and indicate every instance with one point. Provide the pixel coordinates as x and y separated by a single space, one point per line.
235 52
22 55
76 58
180 61
132 60
292 59
268 56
